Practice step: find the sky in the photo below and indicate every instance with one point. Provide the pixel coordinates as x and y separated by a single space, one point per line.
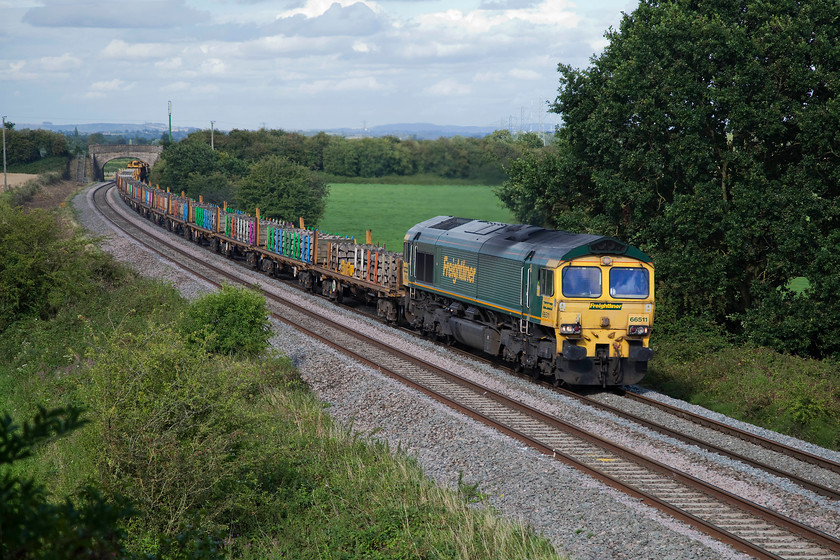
294 64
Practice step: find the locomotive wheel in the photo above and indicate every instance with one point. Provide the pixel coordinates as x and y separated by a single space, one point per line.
519 363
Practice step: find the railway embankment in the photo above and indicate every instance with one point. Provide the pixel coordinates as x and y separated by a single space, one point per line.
433 436
219 454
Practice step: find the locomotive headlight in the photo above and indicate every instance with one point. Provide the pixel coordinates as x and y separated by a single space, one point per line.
638 330
570 329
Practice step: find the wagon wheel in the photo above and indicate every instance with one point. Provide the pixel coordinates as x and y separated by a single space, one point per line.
251 259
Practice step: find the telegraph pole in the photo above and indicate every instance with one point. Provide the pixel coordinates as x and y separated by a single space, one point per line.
5 181
212 147
170 122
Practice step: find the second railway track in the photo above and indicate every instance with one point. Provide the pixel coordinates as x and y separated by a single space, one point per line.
746 526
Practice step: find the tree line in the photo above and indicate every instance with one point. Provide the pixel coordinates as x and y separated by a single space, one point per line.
479 159
30 145
285 174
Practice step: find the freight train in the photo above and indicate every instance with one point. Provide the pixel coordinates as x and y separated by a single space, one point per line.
575 308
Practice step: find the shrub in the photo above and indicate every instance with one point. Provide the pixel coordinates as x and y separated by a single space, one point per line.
33 527
230 321
42 266
173 431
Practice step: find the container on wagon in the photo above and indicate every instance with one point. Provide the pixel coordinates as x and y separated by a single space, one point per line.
368 263
241 227
180 208
205 215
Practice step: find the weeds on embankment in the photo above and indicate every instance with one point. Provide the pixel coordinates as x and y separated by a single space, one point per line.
791 395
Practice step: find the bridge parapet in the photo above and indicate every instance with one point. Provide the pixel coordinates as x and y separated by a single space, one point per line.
100 154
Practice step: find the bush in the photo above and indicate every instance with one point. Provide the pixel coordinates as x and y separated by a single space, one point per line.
230 321
173 431
33 527
42 266
795 396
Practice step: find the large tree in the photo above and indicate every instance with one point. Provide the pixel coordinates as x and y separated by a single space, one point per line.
182 160
283 190
709 134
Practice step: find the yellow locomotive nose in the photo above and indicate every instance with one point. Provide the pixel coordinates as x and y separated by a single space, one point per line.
604 316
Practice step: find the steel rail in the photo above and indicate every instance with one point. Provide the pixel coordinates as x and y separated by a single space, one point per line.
756 439
693 440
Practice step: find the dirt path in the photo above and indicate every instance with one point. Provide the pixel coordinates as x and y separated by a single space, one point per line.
48 196
52 196
17 179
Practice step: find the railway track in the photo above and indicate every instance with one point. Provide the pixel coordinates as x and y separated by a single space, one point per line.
804 469
746 526
806 481
744 435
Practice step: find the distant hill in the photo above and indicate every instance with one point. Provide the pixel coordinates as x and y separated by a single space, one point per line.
419 131
104 128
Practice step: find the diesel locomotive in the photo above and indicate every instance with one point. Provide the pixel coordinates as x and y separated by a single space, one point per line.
575 308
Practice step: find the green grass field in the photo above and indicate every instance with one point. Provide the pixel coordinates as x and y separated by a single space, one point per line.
390 210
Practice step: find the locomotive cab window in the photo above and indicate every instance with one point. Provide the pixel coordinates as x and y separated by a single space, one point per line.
424 267
629 283
581 281
546 285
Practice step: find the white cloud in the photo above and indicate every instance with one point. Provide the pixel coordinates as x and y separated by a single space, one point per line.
315 8
459 64
213 66
110 14
556 13
120 50
599 44
169 64
278 45
449 86
522 74
182 86
59 63
111 85
15 70
175 87
354 83
99 90
488 77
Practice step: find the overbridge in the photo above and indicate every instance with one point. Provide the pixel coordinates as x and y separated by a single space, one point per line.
100 154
